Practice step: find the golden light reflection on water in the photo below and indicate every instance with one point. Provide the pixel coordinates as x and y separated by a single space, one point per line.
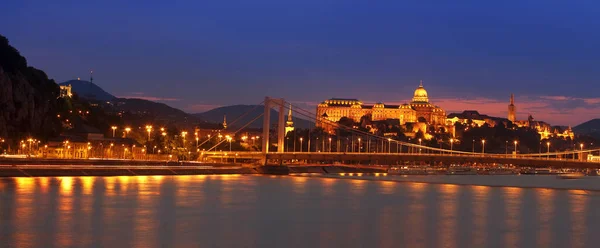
512 199
387 187
299 184
479 213
44 181
327 188
23 211
545 205
25 184
448 209
415 225
144 212
123 183
66 185
578 203
88 184
110 185
358 186
65 218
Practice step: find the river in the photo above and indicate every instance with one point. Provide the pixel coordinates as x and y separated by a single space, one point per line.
295 211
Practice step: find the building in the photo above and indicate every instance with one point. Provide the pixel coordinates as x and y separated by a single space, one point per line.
65 91
289 124
544 129
473 118
418 110
512 110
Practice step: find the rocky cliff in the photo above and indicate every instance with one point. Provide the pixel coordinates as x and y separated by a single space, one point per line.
28 99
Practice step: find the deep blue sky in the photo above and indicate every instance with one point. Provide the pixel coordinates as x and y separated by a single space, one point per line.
199 54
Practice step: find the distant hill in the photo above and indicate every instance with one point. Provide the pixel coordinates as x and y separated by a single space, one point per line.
145 109
89 90
235 111
591 128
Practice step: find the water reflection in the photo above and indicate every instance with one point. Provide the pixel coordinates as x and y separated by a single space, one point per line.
578 201
261 211
545 199
512 196
479 213
448 213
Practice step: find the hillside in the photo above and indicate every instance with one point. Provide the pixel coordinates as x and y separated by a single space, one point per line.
235 111
139 110
27 97
590 128
89 90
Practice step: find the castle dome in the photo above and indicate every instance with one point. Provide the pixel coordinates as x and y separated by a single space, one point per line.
420 94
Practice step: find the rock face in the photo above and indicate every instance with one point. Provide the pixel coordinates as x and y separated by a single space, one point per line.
28 99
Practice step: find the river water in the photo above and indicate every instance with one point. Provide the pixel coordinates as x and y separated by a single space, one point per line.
291 211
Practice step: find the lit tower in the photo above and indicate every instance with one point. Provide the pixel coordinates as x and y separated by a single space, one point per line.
224 121
289 125
512 109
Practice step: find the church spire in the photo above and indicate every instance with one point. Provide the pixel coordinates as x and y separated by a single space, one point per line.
224 121
421 83
290 114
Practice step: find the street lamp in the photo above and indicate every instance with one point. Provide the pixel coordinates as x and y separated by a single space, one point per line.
329 144
359 145
420 146
127 130
516 142
183 134
229 138
300 143
451 142
389 145
548 144
482 147
114 128
149 129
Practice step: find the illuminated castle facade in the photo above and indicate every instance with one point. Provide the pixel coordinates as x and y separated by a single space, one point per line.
418 110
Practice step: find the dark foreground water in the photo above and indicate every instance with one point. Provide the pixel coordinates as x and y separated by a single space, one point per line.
262 211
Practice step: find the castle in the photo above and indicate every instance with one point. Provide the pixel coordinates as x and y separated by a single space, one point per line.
418 110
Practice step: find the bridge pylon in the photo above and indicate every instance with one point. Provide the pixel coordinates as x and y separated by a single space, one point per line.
270 103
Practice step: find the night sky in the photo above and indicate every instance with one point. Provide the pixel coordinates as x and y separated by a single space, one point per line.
196 55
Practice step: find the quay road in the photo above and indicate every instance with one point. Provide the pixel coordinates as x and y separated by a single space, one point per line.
399 158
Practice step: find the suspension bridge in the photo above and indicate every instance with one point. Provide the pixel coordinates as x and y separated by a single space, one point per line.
369 148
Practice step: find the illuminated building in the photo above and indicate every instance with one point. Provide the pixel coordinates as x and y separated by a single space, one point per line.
512 110
418 110
289 124
544 129
65 91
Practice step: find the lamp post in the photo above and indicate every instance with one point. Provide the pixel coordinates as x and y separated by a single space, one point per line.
420 146
516 142
127 130
389 145
451 143
329 144
359 145
301 139
149 129
581 147
183 134
197 141
548 145
506 147
229 138
114 128
482 147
